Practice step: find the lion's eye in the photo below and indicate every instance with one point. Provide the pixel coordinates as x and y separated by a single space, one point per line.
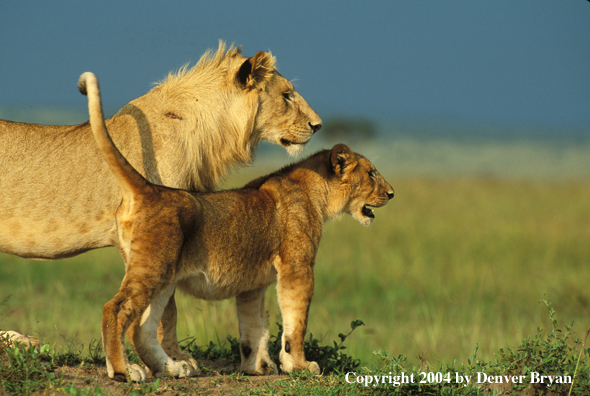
287 96
372 174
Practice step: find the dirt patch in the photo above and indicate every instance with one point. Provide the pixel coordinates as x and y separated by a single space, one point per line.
217 377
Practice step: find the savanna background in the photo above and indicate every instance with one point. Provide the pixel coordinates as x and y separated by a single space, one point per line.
475 112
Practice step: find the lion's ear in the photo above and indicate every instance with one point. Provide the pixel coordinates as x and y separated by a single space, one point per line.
256 70
342 159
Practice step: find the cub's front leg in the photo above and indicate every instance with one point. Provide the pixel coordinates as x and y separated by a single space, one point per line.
254 334
294 290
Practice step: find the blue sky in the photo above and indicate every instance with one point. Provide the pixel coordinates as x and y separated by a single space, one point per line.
504 62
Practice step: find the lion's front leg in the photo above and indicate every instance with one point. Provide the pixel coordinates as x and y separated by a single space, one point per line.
254 334
143 334
294 290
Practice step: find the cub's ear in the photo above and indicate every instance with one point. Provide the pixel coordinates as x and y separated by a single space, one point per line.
256 70
342 159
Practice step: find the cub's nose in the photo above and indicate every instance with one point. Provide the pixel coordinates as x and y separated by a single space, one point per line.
390 194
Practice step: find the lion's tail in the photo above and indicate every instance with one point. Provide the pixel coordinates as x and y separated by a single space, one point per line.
125 174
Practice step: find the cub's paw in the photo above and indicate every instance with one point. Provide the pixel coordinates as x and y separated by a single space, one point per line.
184 358
263 366
267 368
134 373
288 365
180 369
314 368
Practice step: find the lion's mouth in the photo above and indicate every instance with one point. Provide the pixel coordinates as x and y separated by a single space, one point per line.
367 212
287 143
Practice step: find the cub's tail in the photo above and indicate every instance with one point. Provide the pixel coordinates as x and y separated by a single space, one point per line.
127 177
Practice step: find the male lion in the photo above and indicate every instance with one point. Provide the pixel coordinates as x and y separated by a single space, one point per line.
58 197
225 244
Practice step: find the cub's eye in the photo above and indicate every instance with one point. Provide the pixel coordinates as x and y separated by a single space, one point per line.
372 174
287 96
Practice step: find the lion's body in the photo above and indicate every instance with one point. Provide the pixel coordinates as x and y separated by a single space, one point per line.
48 212
225 244
57 196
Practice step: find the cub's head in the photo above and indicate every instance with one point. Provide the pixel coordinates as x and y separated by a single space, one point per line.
283 116
357 185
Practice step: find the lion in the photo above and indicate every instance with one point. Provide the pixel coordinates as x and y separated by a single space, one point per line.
58 197
223 244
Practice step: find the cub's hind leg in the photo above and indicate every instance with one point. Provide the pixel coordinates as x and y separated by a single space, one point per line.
149 276
143 335
167 334
117 315
254 334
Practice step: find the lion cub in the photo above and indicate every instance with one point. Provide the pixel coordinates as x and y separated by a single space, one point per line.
225 244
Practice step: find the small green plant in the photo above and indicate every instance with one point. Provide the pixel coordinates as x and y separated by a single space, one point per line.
141 389
228 349
552 355
96 352
330 358
24 370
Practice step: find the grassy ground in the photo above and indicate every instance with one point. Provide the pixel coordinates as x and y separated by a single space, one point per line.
456 259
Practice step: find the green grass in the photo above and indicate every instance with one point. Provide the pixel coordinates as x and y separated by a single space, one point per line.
544 362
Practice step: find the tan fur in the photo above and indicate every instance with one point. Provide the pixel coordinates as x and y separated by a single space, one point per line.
220 245
58 197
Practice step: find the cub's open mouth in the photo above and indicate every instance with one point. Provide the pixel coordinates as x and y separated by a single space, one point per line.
367 212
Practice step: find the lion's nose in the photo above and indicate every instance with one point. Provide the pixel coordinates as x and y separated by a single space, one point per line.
390 194
315 127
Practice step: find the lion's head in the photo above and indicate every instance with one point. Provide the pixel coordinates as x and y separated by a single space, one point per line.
284 117
361 187
216 113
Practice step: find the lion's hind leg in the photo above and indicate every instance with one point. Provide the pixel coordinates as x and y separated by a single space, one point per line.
254 334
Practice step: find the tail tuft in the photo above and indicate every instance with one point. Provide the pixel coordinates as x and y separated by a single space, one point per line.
82 82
